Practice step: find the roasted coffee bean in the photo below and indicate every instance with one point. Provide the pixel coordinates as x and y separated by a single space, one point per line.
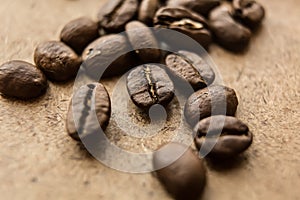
58 61
234 138
147 11
228 32
116 13
190 67
88 100
78 33
148 85
249 12
185 178
143 42
184 21
213 100
199 6
21 80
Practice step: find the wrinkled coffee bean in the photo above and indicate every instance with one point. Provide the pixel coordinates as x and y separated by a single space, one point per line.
88 100
185 178
184 21
78 33
148 85
147 11
229 33
190 67
234 138
116 13
213 100
143 42
58 61
249 12
21 80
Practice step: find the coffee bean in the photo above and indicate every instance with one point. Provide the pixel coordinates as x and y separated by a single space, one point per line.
58 61
249 12
147 11
228 32
185 178
143 41
213 100
21 80
190 67
148 85
116 13
88 100
79 33
235 136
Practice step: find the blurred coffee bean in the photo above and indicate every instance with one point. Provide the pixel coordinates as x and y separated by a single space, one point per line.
147 11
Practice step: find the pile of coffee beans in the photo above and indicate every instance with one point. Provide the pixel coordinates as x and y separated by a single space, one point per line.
210 110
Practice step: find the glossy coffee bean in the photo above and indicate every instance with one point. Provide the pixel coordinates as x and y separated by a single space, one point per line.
213 100
78 33
88 100
234 138
148 85
147 11
58 61
183 179
229 33
114 15
21 80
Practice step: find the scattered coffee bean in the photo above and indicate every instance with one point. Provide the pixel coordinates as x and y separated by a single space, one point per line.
148 85
213 100
186 177
234 138
21 80
78 33
58 61
116 13
147 11
88 100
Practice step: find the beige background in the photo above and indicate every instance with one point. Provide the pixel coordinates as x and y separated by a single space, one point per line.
39 161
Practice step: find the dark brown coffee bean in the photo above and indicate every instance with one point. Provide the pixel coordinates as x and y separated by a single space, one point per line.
234 138
88 100
213 100
249 12
149 85
79 33
184 21
58 61
143 42
21 80
228 32
190 67
186 177
116 13
147 11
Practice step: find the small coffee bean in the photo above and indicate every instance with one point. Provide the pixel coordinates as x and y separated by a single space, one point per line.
234 138
185 178
116 13
147 11
148 85
229 33
89 99
79 33
190 67
143 41
58 61
213 100
21 80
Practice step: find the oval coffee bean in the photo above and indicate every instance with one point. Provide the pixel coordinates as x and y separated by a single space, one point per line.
147 11
183 179
116 13
143 42
213 100
228 32
89 99
58 61
78 33
148 85
21 80
234 138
